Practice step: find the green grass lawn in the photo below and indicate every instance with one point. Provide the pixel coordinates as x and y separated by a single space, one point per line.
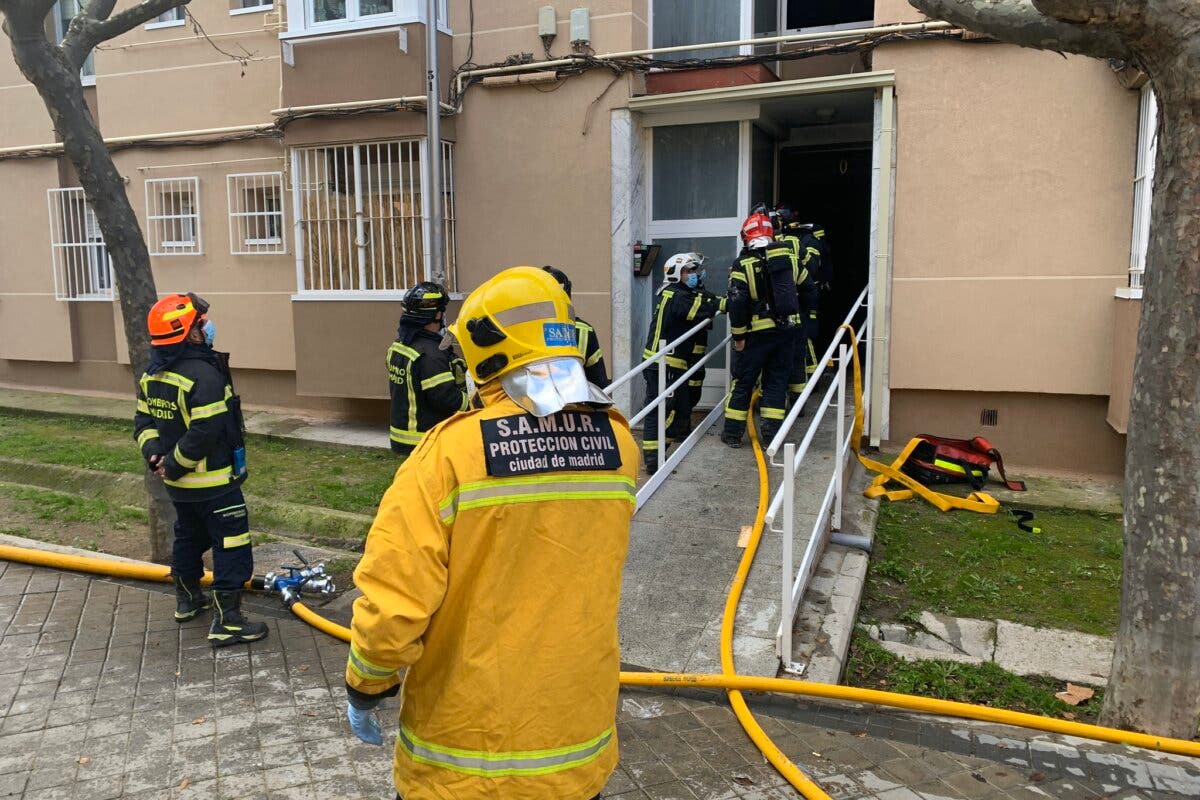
976 565
872 667
340 478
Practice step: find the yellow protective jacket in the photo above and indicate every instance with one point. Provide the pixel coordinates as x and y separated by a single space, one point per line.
493 572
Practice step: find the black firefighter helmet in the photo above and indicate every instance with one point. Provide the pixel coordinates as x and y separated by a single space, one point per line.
423 302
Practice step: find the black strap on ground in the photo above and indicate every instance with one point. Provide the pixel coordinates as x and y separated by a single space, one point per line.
1023 518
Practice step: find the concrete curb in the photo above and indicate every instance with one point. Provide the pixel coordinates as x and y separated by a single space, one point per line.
66 550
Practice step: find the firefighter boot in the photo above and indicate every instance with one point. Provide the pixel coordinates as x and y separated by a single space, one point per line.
228 625
189 600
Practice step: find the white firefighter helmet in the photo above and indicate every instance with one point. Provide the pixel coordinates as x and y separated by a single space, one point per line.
676 264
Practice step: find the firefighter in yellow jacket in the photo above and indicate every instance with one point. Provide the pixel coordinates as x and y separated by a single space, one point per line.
493 570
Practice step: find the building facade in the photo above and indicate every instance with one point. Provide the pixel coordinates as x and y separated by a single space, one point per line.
994 199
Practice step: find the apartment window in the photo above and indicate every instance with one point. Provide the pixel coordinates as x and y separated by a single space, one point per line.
249 6
65 11
169 19
81 263
695 171
682 22
256 214
308 17
809 14
1143 186
361 219
347 10
173 216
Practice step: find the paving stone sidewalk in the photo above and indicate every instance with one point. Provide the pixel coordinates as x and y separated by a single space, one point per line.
103 695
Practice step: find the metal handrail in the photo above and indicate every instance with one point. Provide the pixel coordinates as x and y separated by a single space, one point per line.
670 390
654 359
801 451
797 407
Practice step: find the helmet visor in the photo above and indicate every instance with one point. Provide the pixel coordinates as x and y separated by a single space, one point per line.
545 387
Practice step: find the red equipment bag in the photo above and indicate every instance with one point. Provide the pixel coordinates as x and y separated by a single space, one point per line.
939 461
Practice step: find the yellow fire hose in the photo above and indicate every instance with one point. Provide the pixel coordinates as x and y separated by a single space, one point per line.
768 748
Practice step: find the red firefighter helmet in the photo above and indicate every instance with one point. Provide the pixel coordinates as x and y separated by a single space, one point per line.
757 231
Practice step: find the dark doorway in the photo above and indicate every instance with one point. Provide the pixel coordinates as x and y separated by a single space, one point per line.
832 185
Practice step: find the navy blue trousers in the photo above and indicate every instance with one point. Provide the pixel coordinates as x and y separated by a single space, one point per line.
222 525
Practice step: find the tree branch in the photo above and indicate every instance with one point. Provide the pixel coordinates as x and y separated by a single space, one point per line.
1020 22
99 9
86 32
40 8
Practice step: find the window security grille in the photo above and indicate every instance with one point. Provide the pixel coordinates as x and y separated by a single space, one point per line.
361 218
256 225
173 216
81 263
449 246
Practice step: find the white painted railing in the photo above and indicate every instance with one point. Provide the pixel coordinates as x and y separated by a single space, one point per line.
794 580
658 404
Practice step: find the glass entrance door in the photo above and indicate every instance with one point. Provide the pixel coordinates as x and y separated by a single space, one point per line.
703 177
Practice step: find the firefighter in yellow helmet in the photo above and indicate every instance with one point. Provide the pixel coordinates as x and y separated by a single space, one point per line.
493 570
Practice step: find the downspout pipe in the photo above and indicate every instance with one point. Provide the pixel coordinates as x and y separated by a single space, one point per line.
434 196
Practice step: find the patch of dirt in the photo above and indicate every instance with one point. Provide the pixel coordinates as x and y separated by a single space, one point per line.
129 539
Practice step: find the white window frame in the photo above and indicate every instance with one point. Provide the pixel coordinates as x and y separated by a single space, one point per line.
237 186
169 23
264 5
70 214
302 24
157 222
85 78
1143 191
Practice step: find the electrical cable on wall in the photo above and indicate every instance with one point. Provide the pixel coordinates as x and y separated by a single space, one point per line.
585 62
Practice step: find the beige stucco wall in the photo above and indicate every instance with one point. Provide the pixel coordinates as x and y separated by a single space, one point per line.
33 325
888 12
170 79
1036 431
534 167
1126 317
252 294
1012 217
366 67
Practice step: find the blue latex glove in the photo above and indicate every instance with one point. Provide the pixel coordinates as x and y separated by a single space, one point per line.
365 725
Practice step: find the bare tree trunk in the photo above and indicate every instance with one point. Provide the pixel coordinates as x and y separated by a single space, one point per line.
44 65
1155 683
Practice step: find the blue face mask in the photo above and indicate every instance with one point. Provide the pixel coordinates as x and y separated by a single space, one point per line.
693 280
210 332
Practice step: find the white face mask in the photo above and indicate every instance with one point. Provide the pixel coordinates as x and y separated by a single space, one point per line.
545 387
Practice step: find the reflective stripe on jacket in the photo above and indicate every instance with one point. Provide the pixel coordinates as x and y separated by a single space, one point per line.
676 309
497 583
750 292
424 386
593 354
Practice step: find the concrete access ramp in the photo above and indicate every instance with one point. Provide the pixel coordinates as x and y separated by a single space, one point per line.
683 554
